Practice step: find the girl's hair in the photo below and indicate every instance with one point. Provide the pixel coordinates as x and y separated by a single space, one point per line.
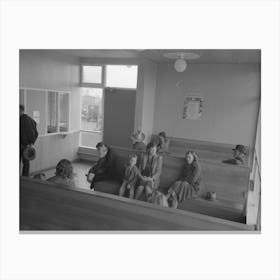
150 146
195 157
64 169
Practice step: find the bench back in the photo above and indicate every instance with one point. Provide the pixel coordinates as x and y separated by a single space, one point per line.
206 150
230 182
47 206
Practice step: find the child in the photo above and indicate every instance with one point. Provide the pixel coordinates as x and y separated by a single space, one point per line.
130 177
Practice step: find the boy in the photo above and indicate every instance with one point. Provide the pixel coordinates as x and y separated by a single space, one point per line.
130 177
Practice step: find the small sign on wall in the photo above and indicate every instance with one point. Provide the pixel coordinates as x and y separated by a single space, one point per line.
192 107
36 116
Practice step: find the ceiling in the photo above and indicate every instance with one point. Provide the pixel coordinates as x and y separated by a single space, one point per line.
206 55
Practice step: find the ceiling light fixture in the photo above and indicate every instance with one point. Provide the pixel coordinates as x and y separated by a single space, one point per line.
181 58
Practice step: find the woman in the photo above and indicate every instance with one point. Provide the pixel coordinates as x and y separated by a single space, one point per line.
64 174
188 185
149 172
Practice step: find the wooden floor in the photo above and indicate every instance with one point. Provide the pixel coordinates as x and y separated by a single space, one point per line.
46 206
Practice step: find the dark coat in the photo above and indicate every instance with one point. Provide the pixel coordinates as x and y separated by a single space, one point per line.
105 167
28 130
192 173
131 175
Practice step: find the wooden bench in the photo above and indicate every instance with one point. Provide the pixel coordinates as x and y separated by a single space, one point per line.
230 183
47 206
210 151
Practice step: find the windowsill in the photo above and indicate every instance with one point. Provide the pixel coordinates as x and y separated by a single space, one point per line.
90 131
64 133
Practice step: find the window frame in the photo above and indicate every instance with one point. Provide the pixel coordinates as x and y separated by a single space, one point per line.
103 86
118 64
91 131
95 85
58 92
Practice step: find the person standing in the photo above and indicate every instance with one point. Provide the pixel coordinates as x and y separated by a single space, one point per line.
28 136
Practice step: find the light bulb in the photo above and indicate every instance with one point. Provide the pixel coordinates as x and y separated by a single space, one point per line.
180 65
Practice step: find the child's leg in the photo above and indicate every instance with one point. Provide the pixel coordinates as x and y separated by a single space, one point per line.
139 191
149 191
131 192
122 189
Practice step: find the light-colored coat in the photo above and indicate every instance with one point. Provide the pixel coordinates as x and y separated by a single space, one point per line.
156 167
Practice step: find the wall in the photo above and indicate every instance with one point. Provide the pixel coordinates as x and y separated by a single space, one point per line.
149 94
231 101
46 70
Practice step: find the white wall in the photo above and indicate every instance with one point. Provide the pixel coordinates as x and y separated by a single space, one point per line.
149 94
45 70
231 101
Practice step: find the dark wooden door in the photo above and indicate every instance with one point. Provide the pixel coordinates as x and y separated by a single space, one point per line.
119 112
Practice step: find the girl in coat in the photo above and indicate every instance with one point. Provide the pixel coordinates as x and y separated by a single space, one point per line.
188 185
149 172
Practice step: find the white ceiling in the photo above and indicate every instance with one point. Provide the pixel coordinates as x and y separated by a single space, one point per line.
206 56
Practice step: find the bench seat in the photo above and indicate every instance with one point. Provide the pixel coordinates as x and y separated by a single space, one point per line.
229 182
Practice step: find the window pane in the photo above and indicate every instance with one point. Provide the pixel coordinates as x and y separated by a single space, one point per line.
90 139
64 111
92 74
122 76
52 112
92 109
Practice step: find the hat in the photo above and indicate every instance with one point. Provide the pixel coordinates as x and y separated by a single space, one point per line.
29 153
211 196
163 134
240 148
138 136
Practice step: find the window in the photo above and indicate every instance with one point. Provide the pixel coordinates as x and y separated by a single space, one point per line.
57 112
92 74
52 112
63 112
91 116
121 76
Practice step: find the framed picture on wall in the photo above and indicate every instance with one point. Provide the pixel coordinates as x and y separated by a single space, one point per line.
192 109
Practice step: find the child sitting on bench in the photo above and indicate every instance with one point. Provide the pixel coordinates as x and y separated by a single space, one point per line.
130 177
